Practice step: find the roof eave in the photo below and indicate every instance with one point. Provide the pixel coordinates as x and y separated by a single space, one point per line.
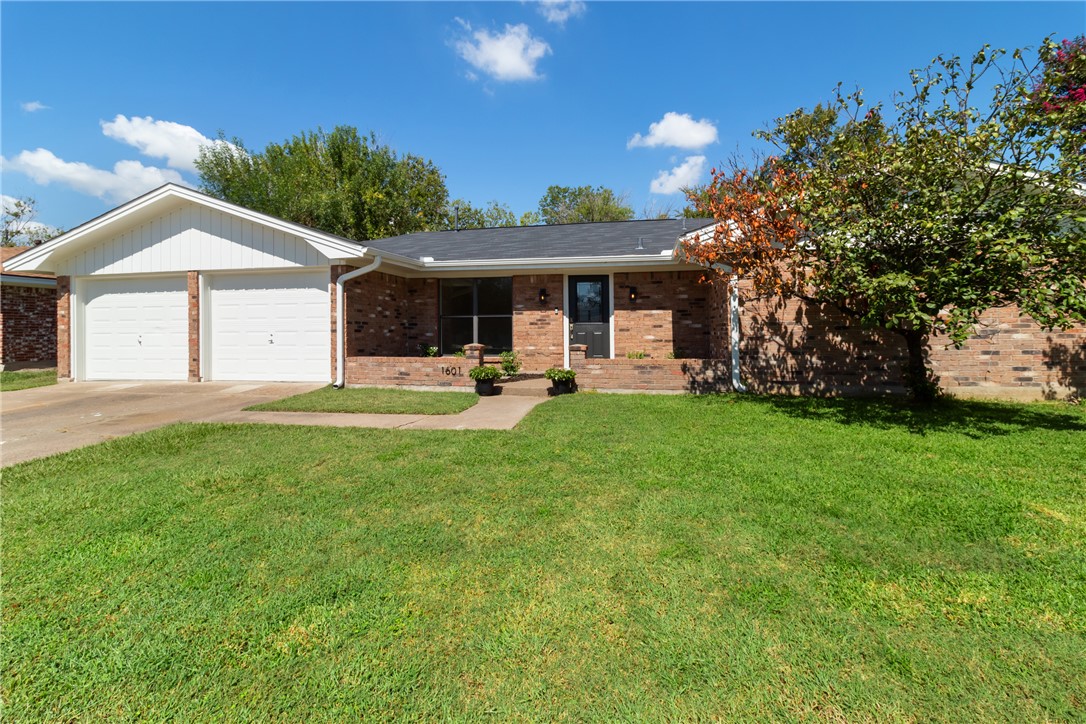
328 245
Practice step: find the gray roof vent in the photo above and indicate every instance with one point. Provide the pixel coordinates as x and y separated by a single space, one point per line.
640 243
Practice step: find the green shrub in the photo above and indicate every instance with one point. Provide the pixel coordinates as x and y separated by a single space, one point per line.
510 363
484 373
560 374
636 354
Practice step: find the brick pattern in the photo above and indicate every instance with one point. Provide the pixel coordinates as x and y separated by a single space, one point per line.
718 316
389 315
194 325
1011 354
537 331
64 328
423 371
28 325
668 316
652 375
793 347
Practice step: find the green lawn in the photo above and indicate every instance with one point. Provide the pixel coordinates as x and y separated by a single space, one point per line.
614 557
373 399
24 379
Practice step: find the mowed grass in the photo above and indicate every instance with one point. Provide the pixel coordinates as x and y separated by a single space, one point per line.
11 380
374 400
615 557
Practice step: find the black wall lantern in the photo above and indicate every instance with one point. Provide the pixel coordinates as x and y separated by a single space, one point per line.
633 294
542 296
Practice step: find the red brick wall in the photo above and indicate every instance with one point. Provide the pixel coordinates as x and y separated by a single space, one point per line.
669 315
389 315
538 333
1012 354
194 325
28 325
658 375
719 319
422 371
64 328
794 347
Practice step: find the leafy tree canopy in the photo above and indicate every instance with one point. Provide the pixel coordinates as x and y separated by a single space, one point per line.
462 215
1060 92
916 220
340 182
571 205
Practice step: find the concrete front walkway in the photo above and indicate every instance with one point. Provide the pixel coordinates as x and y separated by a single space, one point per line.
501 412
47 420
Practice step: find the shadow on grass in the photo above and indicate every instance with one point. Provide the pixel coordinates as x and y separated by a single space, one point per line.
973 418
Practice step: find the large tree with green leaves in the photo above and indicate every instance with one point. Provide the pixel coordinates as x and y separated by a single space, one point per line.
576 204
339 181
917 217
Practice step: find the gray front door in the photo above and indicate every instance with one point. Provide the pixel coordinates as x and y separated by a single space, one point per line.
590 314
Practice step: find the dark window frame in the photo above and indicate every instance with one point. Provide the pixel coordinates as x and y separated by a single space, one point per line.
474 316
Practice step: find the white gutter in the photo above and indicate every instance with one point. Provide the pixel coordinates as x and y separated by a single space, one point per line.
21 281
341 315
733 307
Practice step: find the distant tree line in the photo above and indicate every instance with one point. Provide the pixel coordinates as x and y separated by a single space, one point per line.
349 184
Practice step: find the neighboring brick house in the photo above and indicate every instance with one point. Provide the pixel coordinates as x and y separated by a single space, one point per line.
28 319
178 285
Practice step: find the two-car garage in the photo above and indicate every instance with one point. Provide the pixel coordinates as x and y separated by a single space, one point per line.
177 285
252 326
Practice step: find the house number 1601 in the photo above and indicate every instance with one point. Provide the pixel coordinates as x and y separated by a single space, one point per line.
451 371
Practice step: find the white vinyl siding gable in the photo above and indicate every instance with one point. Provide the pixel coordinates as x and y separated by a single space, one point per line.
192 236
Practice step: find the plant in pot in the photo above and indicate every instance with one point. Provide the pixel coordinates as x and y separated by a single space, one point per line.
484 376
561 380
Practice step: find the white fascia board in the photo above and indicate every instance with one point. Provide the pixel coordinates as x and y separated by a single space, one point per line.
689 236
21 281
327 244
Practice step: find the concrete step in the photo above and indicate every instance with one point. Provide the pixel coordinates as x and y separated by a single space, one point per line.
536 387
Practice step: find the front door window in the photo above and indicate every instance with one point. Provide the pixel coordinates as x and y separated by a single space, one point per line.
590 314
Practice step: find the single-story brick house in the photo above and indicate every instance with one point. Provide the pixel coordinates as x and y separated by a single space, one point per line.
28 315
176 285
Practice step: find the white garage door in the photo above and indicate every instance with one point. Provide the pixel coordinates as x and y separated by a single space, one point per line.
135 329
270 327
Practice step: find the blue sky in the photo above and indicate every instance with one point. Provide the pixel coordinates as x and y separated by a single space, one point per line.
100 102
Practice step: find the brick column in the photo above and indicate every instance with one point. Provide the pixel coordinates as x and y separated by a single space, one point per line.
194 325
335 272
577 354
64 328
474 351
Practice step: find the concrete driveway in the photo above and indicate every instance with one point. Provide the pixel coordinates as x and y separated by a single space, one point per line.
46 420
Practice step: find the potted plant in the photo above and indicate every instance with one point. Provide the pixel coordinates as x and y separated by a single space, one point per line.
561 380
484 376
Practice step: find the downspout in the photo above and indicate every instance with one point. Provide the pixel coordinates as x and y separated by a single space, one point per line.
733 308
341 317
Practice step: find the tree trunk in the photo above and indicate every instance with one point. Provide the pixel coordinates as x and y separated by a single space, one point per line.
917 376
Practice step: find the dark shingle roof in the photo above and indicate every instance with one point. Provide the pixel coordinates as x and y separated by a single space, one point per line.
558 241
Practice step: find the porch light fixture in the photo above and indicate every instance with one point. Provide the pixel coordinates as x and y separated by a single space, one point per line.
542 296
633 294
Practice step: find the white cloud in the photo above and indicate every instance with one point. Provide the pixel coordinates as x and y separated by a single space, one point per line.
507 56
677 130
177 143
127 180
685 174
32 106
559 11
